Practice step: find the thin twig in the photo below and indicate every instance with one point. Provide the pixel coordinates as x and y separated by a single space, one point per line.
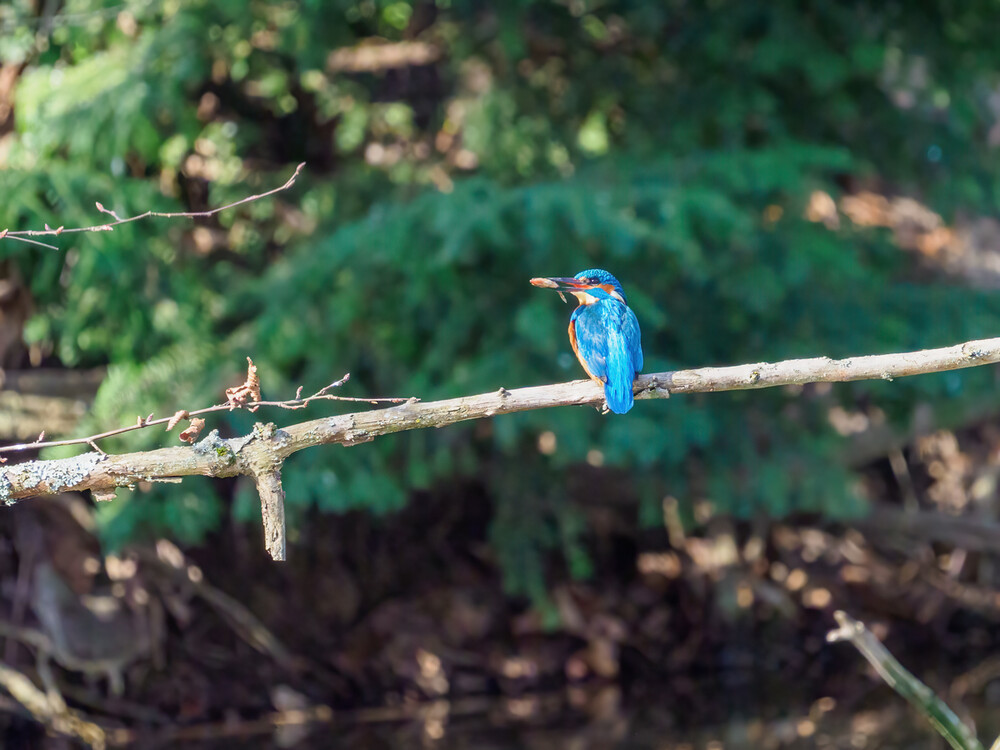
10 236
142 423
24 234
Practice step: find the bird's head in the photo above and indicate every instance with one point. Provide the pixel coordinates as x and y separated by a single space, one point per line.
588 286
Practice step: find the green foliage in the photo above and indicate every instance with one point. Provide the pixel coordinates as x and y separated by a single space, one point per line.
675 144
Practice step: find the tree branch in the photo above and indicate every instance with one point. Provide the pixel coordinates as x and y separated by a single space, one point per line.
263 451
24 234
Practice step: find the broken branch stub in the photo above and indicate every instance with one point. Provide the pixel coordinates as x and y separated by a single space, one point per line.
272 512
261 460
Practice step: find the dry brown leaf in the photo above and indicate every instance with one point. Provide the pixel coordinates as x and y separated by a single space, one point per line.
249 392
193 430
178 416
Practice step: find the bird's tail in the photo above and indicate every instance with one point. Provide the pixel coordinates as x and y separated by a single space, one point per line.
618 388
619 399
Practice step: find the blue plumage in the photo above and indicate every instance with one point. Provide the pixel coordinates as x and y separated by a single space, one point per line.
603 332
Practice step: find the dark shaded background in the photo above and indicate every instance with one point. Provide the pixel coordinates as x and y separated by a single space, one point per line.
767 180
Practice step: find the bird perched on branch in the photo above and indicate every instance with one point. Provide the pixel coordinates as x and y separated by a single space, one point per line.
603 332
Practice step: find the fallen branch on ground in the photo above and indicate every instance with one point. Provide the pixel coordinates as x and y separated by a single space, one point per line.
895 675
50 710
261 453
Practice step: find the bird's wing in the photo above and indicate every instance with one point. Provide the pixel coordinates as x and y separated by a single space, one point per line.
618 389
588 335
633 338
605 336
622 339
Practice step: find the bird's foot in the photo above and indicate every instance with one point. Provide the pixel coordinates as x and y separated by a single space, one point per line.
604 408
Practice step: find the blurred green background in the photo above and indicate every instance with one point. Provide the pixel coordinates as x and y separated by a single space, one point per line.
706 153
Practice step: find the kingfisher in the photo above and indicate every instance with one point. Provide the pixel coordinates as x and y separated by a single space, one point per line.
603 332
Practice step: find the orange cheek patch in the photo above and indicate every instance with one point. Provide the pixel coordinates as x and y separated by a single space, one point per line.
611 292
